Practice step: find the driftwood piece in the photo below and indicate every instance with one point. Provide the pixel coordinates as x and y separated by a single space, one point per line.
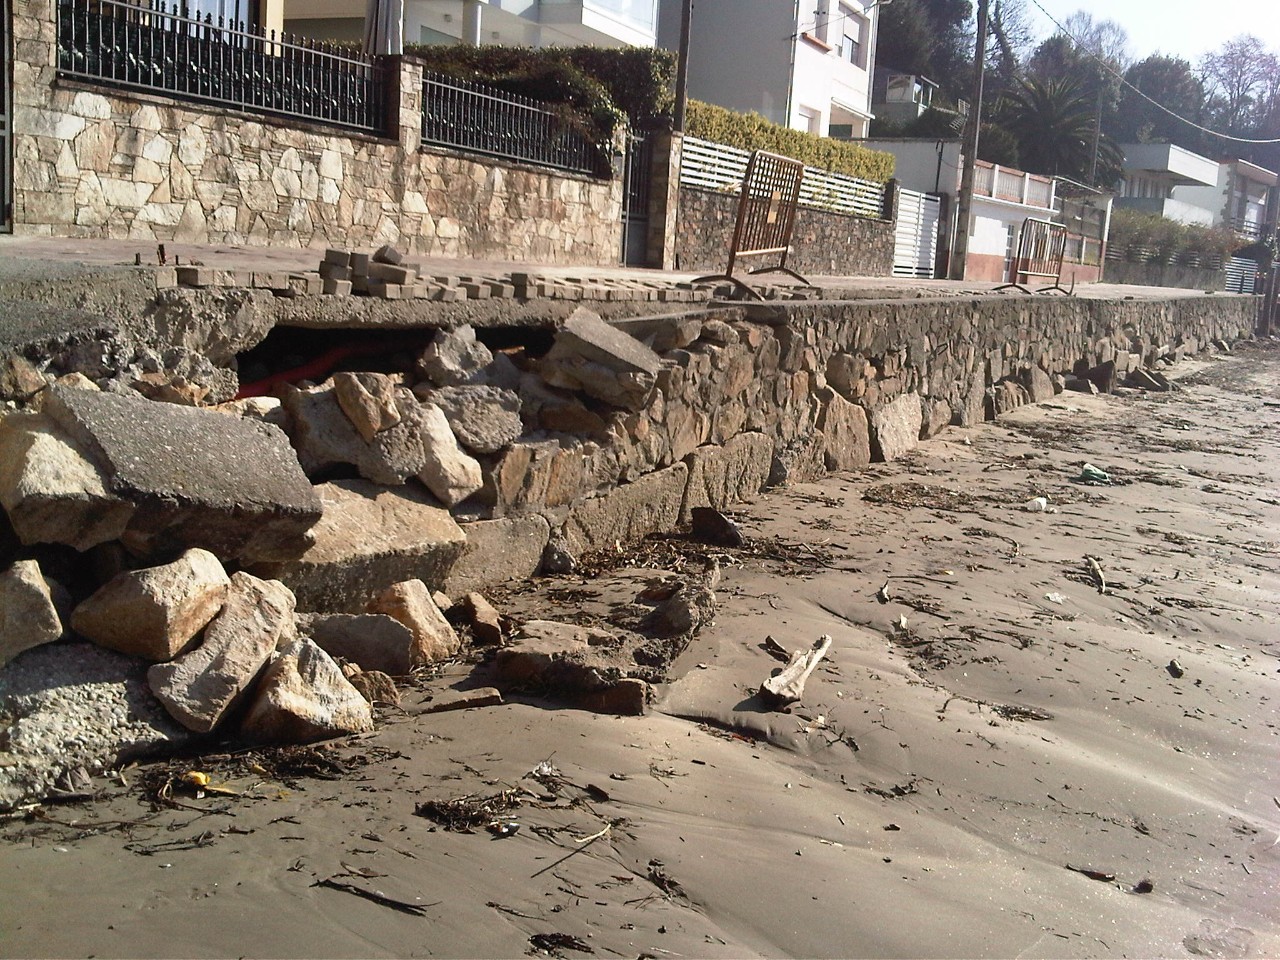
787 686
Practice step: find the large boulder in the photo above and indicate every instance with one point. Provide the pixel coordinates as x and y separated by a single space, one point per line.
483 418
845 427
411 604
895 427
372 641
303 696
326 436
194 478
448 471
627 513
720 476
155 613
51 489
498 551
28 614
601 361
369 538
200 688
368 400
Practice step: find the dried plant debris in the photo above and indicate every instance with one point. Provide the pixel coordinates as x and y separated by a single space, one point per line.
464 814
919 495
553 943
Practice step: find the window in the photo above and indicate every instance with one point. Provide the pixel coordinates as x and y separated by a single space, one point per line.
851 46
230 11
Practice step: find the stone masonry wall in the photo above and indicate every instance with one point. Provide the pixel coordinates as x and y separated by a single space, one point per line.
94 162
830 244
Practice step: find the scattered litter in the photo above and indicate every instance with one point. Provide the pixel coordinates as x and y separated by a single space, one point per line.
1039 505
501 829
553 942
1094 476
1055 598
787 686
1143 886
883 594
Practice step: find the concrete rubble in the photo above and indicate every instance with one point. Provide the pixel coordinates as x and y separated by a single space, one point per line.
267 567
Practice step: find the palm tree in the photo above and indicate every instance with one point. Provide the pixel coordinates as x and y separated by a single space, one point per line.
1053 122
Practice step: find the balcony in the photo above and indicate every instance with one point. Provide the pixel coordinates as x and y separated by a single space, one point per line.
1012 186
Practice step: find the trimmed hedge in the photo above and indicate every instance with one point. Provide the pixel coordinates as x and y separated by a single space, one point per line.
750 131
1150 238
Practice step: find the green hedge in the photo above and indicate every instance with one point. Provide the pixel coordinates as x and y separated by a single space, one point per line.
750 131
602 87
1150 238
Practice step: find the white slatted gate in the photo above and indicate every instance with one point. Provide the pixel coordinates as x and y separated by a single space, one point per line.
915 237
1240 275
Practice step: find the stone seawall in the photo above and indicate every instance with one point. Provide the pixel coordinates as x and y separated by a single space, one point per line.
824 244
748 396
90 161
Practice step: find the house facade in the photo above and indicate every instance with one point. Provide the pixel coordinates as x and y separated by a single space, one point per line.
1151 174
802 65
512 23
1243 199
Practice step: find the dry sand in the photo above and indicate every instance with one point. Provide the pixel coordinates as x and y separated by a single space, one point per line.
996 722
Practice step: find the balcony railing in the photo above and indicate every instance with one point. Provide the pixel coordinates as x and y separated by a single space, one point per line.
157 48
485 120
992 180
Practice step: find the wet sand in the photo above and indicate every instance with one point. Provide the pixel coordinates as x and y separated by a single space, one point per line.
991 761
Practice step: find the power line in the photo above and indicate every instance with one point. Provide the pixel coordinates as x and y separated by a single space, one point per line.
1111 70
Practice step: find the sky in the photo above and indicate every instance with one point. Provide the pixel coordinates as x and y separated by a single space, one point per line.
1182 28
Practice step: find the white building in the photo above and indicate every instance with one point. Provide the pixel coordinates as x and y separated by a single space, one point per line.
804 64
1153 171
526 23
1243 199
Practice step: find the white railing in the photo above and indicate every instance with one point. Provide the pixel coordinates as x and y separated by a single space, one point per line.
1015 186
716 166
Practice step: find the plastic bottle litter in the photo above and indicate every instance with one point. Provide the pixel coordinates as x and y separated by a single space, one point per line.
1091 474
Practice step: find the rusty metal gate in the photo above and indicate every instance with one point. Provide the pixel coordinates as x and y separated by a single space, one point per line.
1042 245
915 234
6 112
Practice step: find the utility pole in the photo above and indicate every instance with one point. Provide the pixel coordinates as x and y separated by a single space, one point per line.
682 66
964 207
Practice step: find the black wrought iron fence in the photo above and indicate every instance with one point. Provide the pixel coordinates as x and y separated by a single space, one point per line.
161 48
482 119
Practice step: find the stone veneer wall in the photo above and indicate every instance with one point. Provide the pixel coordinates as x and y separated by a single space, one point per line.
790 391
831 244
95 162
1164 275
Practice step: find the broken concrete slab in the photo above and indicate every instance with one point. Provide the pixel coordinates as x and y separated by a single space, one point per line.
720 476
601 361
368 538
155 613
483 418
498 551
52 490
628 512
787 686
549 655
231 486
76 707
302 697
846 429
895 427
202 687
28 614
433 638
372 641
454 357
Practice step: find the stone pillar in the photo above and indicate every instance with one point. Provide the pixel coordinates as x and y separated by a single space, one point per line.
404 102
664 199
471 22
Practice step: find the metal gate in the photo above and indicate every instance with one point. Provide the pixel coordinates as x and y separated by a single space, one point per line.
635 199
6 108
915 236
1241 275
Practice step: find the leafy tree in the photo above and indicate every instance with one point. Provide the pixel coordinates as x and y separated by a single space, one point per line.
998 145
1237 78
930 38
1170 82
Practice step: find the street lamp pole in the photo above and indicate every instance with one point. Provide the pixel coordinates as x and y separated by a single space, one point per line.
964 208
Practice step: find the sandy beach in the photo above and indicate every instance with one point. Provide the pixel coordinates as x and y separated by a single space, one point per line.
1004 754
